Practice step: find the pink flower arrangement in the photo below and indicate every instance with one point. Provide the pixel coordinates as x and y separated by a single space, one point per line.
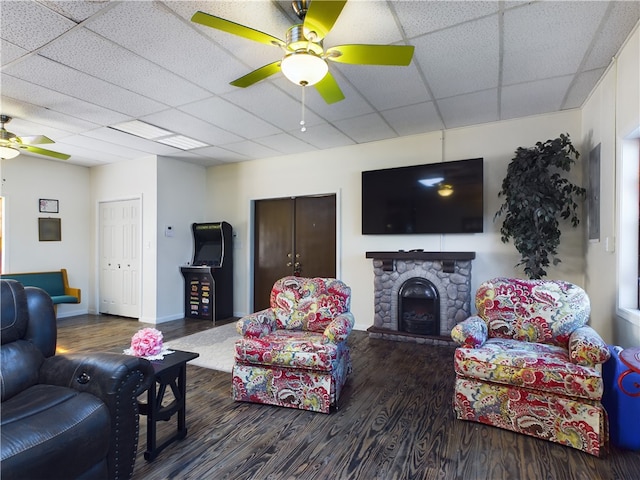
146 342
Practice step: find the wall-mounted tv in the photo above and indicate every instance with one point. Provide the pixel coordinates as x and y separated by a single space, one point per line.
433 198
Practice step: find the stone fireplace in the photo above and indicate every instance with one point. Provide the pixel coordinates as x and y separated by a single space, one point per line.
420 296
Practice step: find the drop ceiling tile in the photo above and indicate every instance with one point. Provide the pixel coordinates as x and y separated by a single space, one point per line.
620 21
77 113
49 74
272 104
88 156
196 159
49 122
366 128
87 52
534 98
230 117
419 18
364 22
130 141
10 52
323 136
194 56
285 143
220 154
469 109
118 149
31 25
185 124
251 149
386 86
77 11
414 119
548 39
582 87
461 59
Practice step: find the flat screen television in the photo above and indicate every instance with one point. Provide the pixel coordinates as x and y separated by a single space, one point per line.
422 199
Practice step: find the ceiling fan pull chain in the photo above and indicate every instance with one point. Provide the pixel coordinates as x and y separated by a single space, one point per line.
303 128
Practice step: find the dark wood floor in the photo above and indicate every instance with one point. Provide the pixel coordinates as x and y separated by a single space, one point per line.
394 421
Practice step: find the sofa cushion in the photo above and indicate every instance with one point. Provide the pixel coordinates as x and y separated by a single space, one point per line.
543 311
308 303
289 348
43 429
541 367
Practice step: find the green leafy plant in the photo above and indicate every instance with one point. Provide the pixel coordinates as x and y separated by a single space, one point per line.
537 196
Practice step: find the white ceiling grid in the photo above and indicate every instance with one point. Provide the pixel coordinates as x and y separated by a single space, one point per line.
71 69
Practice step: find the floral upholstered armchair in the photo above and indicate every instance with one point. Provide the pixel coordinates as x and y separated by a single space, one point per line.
295 354
528 362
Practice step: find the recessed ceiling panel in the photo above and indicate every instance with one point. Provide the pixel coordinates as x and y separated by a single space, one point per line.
130 141
285 143
9 52
77 11
252 149
323 136
364 22
582 86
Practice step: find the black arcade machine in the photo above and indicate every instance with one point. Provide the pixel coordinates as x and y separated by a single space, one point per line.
208 281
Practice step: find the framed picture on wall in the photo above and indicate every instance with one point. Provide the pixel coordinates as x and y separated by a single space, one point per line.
49 229
48 205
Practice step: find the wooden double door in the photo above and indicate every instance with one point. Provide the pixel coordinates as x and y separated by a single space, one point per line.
292 236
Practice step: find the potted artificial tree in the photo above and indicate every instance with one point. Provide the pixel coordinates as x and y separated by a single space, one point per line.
537 196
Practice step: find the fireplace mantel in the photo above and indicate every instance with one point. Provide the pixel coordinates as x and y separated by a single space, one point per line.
421 255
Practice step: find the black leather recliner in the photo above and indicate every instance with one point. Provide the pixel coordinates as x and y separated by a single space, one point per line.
62 416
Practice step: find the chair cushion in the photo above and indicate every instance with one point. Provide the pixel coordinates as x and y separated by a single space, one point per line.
543 311
536 366
289 348
45 427
308 303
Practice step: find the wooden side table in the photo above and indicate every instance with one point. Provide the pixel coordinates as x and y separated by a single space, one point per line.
169 372
631 358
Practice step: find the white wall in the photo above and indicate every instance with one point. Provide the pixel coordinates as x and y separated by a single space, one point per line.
609 117
172 193
232 187
26 179
181 202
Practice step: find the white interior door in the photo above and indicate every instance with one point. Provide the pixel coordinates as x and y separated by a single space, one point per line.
120 250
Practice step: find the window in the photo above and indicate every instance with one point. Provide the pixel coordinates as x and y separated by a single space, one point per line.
629 228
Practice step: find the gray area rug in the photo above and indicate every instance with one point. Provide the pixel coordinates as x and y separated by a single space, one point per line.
215 346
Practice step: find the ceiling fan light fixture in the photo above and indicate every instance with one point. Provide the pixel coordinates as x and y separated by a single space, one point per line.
8 152
445 190
304 68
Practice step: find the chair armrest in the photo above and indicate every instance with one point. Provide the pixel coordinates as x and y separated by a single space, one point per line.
470 333
587 348
115 379
258 324
339 328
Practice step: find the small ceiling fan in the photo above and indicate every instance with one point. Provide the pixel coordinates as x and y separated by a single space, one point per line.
305 59
11 144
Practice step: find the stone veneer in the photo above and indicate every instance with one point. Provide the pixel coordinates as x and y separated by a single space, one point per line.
450 272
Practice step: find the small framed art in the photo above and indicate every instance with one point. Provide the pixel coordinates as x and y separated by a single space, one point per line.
49 230
48 205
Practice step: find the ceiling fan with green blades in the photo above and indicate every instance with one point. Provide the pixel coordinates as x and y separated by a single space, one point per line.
11 144
305 61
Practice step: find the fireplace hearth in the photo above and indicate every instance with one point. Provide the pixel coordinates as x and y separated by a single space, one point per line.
420 296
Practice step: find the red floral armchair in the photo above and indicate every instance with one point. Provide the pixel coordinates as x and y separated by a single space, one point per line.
295 354
528 362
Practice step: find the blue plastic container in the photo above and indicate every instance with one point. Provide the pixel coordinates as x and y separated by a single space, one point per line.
623 409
